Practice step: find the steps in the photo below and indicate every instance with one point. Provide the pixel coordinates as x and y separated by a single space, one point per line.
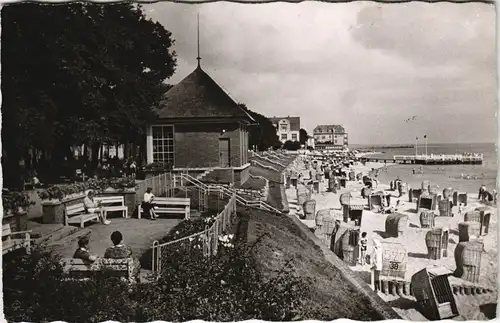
226 191
56 235
203 175
63 237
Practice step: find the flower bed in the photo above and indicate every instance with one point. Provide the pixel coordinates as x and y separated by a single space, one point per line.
13 201
188 227
61 191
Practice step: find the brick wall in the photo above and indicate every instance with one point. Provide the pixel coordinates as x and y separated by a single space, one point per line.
243 175
198 145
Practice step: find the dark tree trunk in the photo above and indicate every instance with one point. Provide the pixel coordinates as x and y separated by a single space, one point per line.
95 156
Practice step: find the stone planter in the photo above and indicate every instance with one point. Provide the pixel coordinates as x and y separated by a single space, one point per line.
18 220
53 210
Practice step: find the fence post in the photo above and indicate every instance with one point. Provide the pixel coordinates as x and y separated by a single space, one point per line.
155 257
216 238
162 184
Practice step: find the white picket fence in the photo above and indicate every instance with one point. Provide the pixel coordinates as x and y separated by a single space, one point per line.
206 241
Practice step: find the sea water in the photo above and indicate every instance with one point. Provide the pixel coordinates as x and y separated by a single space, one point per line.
467 178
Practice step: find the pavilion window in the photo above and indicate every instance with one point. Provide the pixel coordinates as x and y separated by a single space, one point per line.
163 144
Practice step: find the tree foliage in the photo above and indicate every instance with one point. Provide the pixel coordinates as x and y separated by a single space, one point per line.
303 136
79 73
263 134
291 145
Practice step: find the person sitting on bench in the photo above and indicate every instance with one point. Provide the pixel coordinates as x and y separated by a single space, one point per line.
148 205
83 251
92 207
121 251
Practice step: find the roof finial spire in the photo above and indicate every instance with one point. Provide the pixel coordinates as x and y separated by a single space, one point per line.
198 58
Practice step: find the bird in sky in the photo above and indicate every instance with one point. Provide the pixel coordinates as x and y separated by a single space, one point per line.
411 119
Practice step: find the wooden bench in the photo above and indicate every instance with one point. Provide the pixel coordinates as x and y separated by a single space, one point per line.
81 269
106 203
170 205
9 244
76 214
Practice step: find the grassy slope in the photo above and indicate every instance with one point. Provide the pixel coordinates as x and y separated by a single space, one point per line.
285 241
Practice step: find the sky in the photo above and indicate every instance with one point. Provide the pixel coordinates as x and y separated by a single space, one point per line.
367 66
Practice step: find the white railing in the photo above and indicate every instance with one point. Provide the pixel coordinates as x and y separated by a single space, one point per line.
205 242
431 157
222 190
158 184
269 160
263 166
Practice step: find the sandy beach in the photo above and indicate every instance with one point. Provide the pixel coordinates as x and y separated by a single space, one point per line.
471 307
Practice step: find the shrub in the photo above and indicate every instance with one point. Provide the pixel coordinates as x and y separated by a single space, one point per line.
291 145
186 228
37 291
226 287
59 191
158 166
11 201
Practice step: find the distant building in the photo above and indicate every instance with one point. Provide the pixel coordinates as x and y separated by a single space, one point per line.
287 128
328 137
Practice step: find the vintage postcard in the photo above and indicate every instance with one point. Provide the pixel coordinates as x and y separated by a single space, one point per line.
226 161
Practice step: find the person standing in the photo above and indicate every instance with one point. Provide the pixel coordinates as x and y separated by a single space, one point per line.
376 259
133 168
363 245
482 189
400 188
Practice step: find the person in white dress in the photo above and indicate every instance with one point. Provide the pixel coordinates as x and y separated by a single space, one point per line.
376 260
92 207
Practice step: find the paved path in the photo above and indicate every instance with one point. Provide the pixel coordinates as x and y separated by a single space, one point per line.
139 234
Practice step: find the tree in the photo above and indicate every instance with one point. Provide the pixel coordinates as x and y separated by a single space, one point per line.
263 134
94 81
291 145
303 136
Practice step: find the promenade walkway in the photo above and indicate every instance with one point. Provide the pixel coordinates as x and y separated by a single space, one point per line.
139 234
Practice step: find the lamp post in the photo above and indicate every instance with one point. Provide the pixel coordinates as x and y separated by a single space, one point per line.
425 137
416 147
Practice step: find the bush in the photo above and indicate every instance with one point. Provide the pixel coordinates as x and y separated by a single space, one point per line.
226 287
157 166
11 201
37 291
186 228
291 145
59 191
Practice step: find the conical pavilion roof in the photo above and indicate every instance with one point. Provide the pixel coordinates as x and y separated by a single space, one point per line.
199 96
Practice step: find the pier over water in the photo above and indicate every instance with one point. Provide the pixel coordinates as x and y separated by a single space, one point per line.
432 159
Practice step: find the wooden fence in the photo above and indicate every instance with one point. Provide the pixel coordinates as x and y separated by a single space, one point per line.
158 183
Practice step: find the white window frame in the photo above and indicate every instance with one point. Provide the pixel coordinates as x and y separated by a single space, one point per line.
154 153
